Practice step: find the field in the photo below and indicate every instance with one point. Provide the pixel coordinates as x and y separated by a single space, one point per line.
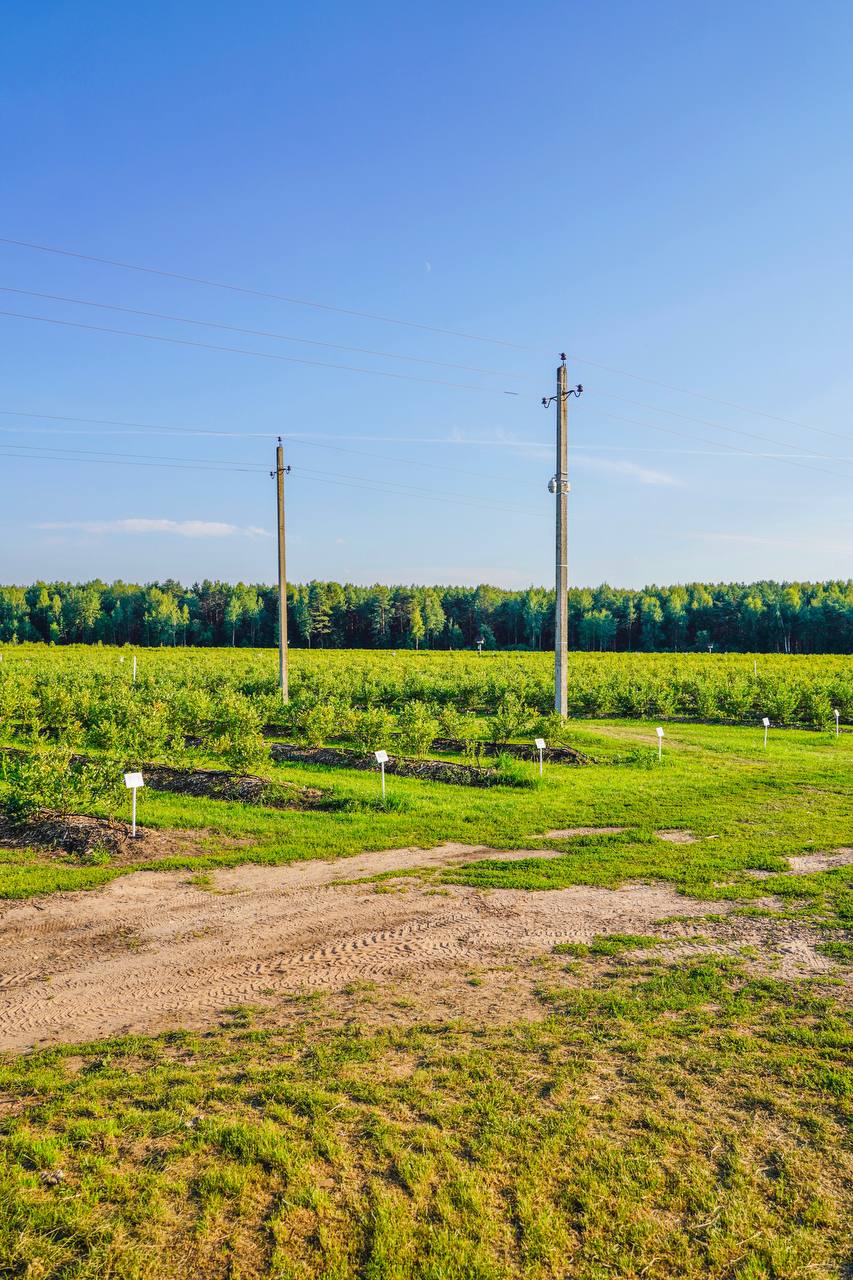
61 683
594 1024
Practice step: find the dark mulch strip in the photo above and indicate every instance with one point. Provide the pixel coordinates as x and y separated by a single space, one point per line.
466 775
221 784
490 750
518 750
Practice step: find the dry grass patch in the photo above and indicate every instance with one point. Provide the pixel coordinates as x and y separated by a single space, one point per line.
666 1122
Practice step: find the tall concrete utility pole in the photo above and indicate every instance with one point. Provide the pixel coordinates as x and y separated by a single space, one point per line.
560 486
561 631
280 472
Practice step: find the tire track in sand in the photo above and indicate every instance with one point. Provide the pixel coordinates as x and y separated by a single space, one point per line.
151 950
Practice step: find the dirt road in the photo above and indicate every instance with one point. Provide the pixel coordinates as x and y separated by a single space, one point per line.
153 950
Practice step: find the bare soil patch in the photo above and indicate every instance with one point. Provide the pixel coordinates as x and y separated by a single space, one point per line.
153 950
676 837
805 863
566 833
821 861
785 948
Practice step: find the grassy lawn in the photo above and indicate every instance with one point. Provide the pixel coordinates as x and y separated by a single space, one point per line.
657 1122
661 1117
749 808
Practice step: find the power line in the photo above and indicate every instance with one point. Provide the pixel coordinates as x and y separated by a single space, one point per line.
143 428
419 464
259 293
113 458
116 462
414 489
407 462
296 437
130 427
262 355
36 453
148 457
459 502
704 440
705 422
412 324
699 395
259 333
721 452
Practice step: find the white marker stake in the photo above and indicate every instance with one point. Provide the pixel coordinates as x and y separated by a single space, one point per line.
382 760
766 724
133 781
836 713
134 668
540 743
659 732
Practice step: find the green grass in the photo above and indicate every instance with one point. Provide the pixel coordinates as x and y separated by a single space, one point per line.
750 810
610 944
839 950
659 1122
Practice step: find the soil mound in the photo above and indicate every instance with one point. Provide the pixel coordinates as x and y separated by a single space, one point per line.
83 837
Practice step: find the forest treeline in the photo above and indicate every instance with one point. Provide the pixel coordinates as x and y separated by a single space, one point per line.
800 617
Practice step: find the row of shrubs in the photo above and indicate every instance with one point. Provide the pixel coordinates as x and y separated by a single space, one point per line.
412 730
49 780
139 722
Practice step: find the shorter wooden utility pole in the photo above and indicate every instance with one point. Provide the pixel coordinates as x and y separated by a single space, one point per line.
280 472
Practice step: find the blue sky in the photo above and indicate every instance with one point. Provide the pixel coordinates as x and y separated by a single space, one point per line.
662 189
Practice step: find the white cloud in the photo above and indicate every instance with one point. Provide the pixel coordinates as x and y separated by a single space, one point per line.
762 540
533 448
643 475
745 539
144 525
458 437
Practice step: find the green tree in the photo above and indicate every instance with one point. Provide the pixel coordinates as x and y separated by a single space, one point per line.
319 612
417 630
434 616
160 616
379 614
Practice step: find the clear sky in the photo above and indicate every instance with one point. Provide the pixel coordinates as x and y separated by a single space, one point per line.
663 189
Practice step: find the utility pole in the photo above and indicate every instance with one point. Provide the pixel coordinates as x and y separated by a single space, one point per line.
559 485
280 472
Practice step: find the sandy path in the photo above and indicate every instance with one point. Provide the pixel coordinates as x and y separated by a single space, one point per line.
151 950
